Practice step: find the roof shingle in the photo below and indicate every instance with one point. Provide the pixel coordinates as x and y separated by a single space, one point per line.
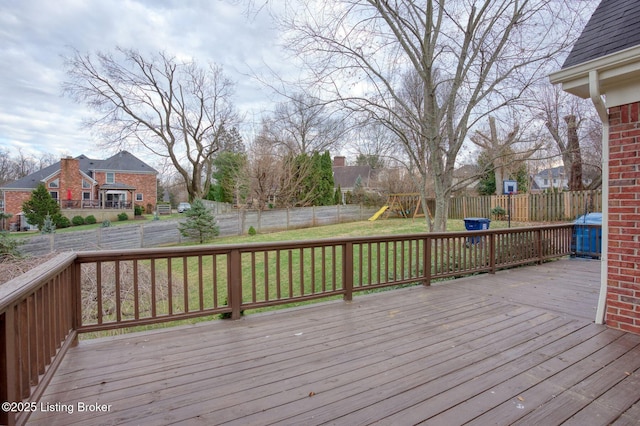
614 26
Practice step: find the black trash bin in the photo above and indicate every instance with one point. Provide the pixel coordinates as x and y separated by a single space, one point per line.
475 224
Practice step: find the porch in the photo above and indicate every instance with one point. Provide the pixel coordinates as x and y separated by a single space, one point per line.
518 346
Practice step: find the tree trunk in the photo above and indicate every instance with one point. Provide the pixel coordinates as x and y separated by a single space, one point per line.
574 166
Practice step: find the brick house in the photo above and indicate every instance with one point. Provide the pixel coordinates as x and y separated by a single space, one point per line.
604 65
84 186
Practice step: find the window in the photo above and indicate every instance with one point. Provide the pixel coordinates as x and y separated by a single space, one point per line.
85 184
54 183
86 195
111 177
139 196
546 182
54 195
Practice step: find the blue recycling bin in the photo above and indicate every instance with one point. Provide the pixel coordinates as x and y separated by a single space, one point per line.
475 224
587 238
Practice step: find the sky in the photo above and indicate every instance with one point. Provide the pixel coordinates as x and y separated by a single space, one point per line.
35 35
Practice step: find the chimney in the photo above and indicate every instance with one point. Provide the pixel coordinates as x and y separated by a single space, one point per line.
339 161
70 179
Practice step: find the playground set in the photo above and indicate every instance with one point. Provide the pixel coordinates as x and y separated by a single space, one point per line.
405 205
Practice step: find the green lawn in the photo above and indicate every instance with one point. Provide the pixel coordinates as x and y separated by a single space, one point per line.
354 229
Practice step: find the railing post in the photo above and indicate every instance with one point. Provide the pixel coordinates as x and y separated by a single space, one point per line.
347 271
235 284
426 262
492 253
8 384
539 248
76 298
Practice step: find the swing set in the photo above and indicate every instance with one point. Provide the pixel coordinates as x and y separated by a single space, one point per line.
404 205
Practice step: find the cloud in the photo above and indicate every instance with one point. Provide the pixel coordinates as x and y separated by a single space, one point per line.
35 35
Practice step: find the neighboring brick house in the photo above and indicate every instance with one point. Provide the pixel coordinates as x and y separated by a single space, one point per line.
84 186
604 65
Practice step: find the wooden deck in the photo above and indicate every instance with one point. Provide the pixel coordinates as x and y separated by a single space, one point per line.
518 347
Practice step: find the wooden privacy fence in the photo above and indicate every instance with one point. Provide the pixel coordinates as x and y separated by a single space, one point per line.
546 207
42 311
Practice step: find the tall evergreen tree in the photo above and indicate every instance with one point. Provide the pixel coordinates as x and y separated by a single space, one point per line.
39 206
324 180
229 177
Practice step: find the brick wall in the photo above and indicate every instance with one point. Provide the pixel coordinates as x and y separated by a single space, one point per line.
13 204
623 280
144 183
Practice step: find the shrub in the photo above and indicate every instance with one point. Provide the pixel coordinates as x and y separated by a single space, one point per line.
62 222
498 212
48 227
77 220
91 219
138 210
8 246
123 216
252 231
106 223
200 223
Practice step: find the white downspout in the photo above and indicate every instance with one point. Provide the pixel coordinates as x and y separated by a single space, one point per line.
596 98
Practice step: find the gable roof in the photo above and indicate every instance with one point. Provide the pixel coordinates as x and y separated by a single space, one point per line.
346 176
554 172
613 27
121 162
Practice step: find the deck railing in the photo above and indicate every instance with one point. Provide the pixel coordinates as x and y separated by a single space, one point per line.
42 312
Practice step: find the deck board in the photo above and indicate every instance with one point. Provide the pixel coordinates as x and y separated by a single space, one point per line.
517 346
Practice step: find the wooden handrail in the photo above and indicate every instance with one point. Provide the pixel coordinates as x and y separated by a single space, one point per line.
37 326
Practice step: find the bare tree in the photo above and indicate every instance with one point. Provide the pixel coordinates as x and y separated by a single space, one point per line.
374 144
500 149
22 164
591 148
6 167
304 125
563 116
460 61
175 110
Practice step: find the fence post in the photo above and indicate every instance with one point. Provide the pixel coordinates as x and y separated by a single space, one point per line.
235 284
426 262
347 271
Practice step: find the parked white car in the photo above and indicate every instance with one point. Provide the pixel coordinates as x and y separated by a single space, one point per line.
183 207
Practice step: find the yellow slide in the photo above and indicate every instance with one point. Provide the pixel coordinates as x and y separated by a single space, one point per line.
379 213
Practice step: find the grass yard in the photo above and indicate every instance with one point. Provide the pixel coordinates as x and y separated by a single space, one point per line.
355 229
